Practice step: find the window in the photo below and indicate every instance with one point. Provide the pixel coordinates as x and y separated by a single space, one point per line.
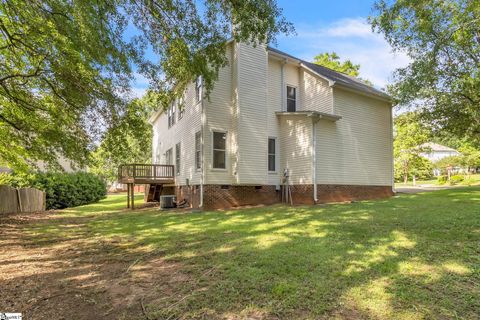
219 150
198 89
271 154
291 99
198 145
171 115
181 107
168 156
177 158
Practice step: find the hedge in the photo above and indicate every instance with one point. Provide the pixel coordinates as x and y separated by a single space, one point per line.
65 190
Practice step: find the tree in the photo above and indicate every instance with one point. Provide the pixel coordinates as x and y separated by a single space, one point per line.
332 61
129 141
442 40
65 66
410 134
470 158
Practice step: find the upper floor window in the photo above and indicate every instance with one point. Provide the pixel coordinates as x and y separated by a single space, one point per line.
171 115
291 99
177 158
219 150
181 107
272 154
198 89
198 145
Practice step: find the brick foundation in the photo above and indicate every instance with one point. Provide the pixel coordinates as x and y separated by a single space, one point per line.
228 196
339 193
217 196
189 193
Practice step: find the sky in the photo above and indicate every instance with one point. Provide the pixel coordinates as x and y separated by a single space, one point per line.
340 26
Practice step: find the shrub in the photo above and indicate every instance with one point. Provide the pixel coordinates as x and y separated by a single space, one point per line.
442 179
456 179
469 180
65 190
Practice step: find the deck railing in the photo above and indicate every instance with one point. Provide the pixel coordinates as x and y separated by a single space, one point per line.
146 172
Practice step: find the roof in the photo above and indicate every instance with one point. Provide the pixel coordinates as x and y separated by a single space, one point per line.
335 77
437 147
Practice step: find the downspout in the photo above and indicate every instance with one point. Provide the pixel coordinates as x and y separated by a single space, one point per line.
391 150
202 144
314 159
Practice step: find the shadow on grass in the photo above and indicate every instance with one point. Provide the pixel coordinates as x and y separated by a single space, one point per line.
412 256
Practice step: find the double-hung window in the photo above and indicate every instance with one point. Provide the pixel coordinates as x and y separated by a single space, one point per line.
291 99
177 158
171 115
219 150
198 89
198 145
272 154
181 107
168 157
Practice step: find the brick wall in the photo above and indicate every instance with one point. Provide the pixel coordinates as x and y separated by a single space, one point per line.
190 193
339 193
219 197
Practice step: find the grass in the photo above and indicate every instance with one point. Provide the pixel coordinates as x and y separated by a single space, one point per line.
409 257
475 180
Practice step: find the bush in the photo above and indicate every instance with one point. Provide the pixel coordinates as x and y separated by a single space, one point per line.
456 179
442 179
65 190
469 180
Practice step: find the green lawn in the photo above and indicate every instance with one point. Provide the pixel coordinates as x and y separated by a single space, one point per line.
475 180
409 257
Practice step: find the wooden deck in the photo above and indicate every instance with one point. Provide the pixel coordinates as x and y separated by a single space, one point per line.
146 174
152 174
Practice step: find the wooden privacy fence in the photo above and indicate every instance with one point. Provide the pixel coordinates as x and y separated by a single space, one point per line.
21 200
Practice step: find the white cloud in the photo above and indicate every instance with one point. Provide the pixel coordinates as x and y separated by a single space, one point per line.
139 86
350 38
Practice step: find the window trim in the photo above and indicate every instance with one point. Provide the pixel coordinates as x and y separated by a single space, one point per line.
198 166
178 153
181 108
274 154
170 152
198 89
286 97
213 149
171 115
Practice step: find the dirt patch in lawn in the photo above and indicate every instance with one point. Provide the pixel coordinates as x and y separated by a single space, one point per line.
78 276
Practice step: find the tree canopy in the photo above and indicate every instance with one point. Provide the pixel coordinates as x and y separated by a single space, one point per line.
66 66
409 135
129 141
442 39
332 61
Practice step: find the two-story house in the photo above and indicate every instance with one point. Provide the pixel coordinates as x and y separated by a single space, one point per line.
271 115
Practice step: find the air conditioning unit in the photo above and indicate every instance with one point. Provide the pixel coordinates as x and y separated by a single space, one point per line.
167 202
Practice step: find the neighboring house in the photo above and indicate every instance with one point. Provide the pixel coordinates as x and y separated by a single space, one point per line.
437 151
66 164
270 112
